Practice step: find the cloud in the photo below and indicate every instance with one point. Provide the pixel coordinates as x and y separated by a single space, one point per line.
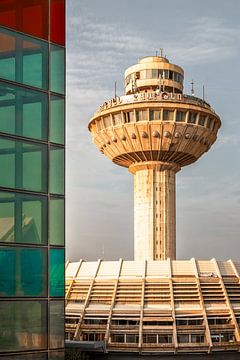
207 39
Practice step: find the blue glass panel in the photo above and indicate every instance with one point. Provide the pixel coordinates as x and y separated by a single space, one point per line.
56 272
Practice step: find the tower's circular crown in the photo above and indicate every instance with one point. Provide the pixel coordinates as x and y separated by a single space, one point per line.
151 72
154 120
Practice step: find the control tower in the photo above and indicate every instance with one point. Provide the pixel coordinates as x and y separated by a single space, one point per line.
154 130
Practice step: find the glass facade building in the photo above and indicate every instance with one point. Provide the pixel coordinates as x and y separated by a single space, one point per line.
32 155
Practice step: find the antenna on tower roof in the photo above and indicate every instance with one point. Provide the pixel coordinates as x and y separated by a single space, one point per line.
192 89
115 90
203 92
161 52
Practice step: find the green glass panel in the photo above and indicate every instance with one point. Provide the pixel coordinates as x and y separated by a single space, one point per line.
57 120
57 170
56 272
23 112
23 59
23 165
23 218
23 325
57 322
56 222
57 69
23 272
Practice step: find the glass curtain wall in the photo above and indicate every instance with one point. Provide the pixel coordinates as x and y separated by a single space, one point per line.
32 179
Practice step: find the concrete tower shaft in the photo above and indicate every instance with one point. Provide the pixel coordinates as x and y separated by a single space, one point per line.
154 130
154 210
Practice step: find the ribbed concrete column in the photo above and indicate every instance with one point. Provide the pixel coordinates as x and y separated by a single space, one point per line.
154 211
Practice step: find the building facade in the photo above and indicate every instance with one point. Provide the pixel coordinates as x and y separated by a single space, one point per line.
155 307
32 181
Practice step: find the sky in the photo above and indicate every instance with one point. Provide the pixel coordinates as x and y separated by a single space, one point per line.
104 37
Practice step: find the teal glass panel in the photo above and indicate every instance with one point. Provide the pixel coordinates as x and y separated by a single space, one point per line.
57 324
56 272
23 325
56 170
57 120
23 218
57 69
23 165
56 222
23 112
23 272
7 163
23 59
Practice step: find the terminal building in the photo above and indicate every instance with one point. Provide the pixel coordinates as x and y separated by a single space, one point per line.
154 304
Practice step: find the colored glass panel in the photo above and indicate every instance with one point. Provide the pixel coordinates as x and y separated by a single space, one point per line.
30 17
23 59
57 21
57 321
23 325
23 165
56 222
23 272
56 272
56 170
23 112
57 120
57 66
23 218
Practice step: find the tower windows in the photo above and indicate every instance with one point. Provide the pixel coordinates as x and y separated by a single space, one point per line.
168 115
201 120
155 115
117 119
192 117
181 116
142 115
128 116
210 123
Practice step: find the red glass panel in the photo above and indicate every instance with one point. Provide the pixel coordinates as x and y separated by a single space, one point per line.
28 16
57 21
